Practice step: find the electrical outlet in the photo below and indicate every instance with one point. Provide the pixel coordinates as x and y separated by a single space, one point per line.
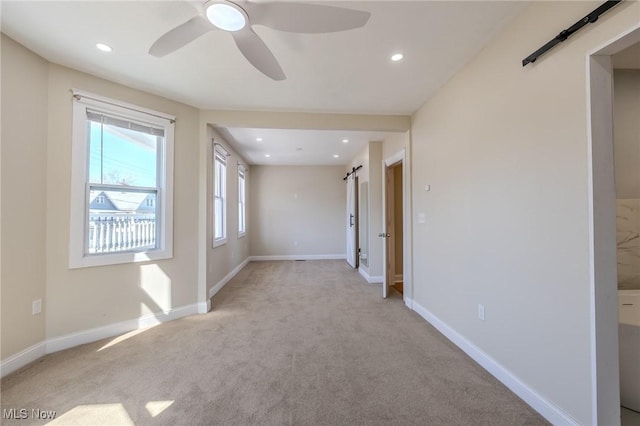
36 307
481 312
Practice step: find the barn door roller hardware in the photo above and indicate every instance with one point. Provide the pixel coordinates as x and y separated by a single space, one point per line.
589 19
353 170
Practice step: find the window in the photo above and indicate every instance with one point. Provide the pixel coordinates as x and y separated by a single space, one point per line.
242 217
219 197
122 179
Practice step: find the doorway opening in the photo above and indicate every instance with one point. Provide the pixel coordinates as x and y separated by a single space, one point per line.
396 232
608 187
626 147
394 227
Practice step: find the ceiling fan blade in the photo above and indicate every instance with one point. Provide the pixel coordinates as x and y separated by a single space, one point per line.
256 52
305 18
180 36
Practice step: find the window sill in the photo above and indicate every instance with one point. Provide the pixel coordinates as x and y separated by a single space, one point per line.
242 235
219 242
118 258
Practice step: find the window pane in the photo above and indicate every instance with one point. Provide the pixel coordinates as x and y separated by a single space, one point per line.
218 211
121 220
241 202
122 156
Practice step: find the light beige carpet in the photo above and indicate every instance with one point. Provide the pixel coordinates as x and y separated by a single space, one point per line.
287 343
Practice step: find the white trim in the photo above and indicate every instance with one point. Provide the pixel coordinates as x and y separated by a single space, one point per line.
298 257
398 157
398 278
216 288
56 344
409 303
91 335
22 358
370 279
204 307
219 242
99 101
546 408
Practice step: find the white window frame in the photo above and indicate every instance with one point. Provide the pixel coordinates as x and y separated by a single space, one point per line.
219 156
79 227
242 201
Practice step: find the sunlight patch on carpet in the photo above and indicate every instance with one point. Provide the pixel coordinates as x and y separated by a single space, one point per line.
95 414
156 407
125 336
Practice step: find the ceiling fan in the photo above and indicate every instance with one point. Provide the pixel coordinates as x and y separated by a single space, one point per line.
238 16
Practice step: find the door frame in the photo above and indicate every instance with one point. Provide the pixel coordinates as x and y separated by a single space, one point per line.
605 405
400 157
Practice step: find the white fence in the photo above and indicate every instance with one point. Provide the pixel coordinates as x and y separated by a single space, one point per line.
121 233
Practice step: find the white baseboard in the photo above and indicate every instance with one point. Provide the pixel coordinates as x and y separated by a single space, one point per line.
22 358
298 257
56 344
204 307
398 278
409 303
87 336
370 279
548 410
216 288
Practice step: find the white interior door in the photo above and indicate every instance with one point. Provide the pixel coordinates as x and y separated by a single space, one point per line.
351 221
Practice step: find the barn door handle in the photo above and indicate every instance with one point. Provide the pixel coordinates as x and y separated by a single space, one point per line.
350 220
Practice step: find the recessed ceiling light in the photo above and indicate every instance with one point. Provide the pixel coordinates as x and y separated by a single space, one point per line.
335 156
104 47
267 155
345 140
258 139
397 57
226 15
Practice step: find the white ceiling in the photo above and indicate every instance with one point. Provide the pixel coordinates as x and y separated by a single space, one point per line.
298 147
344 72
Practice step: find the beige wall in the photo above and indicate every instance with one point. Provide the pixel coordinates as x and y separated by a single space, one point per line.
297 211
81 299
627 132
36 133
504 149
375 208
24 165
394 143
225 258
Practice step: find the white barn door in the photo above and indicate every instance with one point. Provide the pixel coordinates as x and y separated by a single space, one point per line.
352 248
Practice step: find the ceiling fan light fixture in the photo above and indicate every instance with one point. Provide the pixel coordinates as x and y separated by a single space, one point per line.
226 15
